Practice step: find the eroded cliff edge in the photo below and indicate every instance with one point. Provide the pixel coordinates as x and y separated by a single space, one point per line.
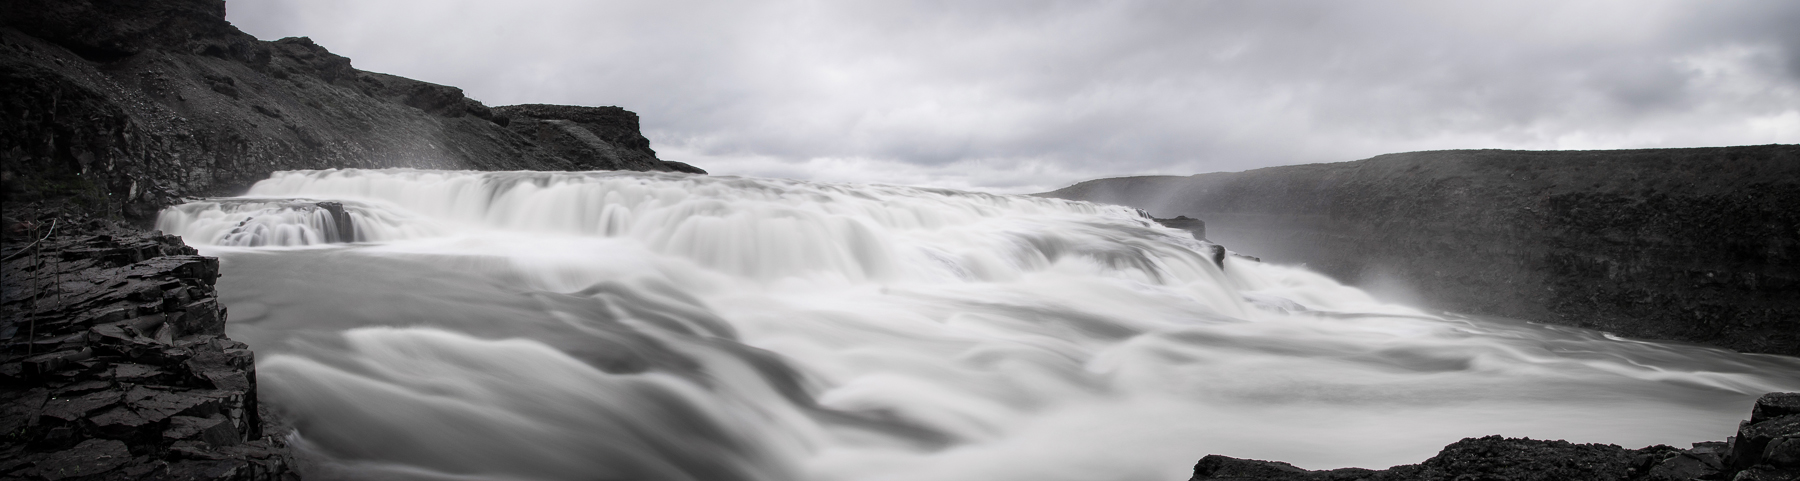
127 106
1699 245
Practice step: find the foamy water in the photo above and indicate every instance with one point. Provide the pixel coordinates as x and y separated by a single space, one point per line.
524 325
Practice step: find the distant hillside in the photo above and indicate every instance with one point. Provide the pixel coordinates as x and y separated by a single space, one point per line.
126 106
1684 244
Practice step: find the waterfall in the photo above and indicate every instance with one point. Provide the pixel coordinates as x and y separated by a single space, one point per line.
659 326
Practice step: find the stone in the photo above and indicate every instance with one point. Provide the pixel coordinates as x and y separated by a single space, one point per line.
1221 467
1753 439
74 409
202 317
1774 405
1783 452
90 458
129 425
83 387
20 409
160 404
137 373
54 362
216 431
1766 473
1681 467
343 227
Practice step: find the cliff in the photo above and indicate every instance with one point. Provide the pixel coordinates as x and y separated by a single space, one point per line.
123 107
1699 245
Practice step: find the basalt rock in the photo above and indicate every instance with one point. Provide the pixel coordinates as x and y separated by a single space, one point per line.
1767 447
127 106
115 363
1699 245
598 138
343 228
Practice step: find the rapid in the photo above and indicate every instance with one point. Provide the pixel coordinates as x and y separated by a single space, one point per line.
655 326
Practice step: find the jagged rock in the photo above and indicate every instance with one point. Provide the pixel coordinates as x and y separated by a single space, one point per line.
1769 442
343 227
113 346
1774 405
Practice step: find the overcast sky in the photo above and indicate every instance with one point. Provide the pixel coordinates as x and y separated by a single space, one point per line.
1027 96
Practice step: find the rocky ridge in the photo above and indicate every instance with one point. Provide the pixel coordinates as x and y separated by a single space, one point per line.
1699 245
128 106
1766 448
116 364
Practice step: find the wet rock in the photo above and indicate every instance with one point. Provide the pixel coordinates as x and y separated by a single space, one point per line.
343 227
97 383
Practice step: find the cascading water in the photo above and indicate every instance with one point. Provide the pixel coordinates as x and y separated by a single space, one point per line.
525 325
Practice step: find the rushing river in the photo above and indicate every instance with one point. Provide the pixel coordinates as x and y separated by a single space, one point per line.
611 325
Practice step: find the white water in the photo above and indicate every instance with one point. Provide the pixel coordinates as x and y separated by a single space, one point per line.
663 326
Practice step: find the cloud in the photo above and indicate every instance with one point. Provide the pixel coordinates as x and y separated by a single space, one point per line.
1021 96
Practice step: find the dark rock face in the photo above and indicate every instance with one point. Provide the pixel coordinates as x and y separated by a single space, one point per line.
128 106
343 227
1698 245
115 362
1768 445
602 138
1765 449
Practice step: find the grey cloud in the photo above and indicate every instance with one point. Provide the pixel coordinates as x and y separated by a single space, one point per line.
961 93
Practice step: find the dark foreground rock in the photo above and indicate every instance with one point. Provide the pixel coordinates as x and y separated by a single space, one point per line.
1766 448
115 363
132 105
1698 245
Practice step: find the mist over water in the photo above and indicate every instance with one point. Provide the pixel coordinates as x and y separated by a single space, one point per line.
528 325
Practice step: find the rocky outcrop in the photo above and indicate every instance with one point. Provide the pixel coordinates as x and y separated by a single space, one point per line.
1192 225
115 363
1767 448
127 106
1699 245
606 138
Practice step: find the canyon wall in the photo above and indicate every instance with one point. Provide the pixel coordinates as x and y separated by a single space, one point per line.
127 106
1699 245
